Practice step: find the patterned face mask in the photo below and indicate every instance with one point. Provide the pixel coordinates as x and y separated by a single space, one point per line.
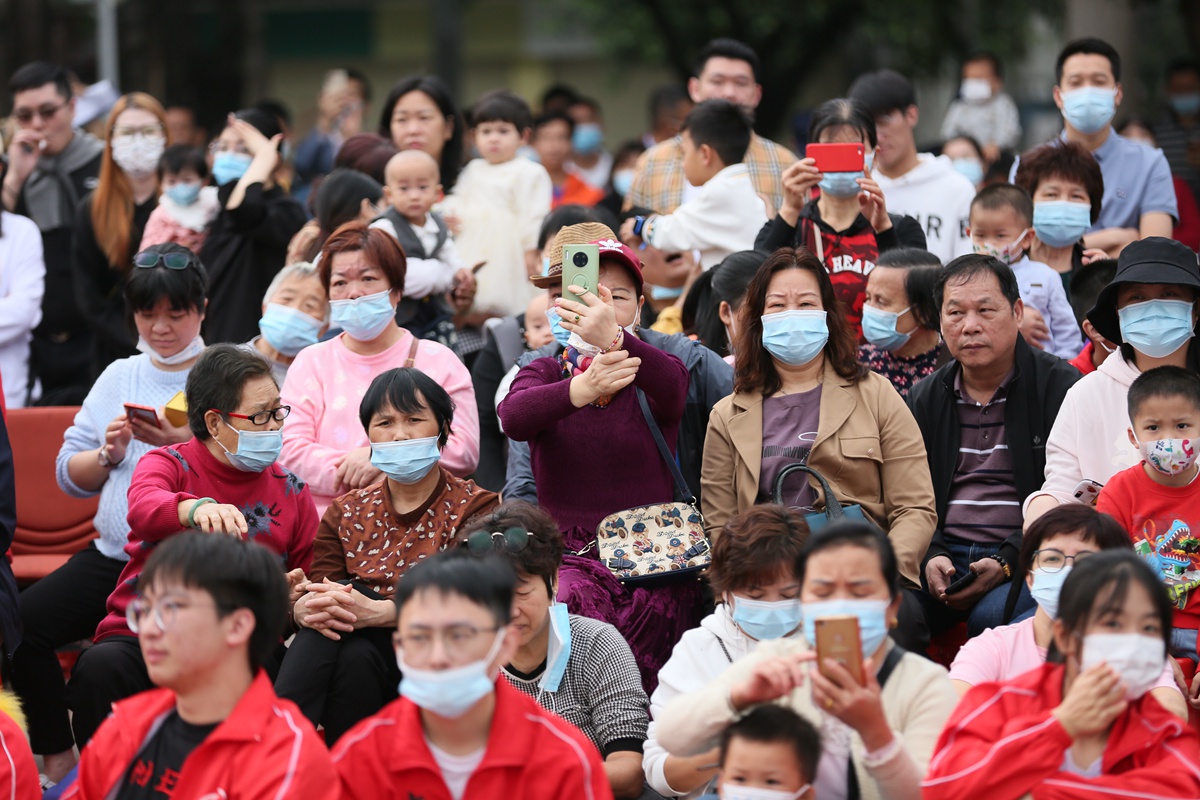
1168 456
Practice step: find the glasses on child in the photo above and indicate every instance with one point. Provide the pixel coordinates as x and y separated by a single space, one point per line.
456 639
164 611
261 417
1051 560
514 540
149 260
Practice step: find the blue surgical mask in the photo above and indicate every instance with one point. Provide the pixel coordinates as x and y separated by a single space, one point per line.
183 194
229 166
1047 586
406 461
840 184
1186 104
558 650
969 168
622 181
1061 223
871 615
363 318
763 620
1157 328
289 330
879 328
256 450
561 334
587 138
449 693
795 337
1090 108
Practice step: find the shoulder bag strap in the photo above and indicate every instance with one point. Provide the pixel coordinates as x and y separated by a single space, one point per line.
680 484
833 508
412 352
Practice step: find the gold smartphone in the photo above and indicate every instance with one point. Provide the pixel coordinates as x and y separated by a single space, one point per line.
838 639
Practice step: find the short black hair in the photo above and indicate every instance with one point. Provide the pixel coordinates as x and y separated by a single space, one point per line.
724 126
546 117
236 573
404 389
266 122
776 724
1163 382
988 56
853 533
542 554
277 109
502 105
363 81
922 269
1099 584
727 48
1089 46
971 140
1006 195
1183 65
964 268
572 214
37 74
217 380
665 98
1087 283
1091 525
339 198
559 95
883 92
186 289
179 157
488 582
842 112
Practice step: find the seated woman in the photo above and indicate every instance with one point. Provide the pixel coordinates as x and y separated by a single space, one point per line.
295 313
876 739
594 452
753 578
362 270
577 667
167 297
224 481
848 226
340 667
1084 724
801 397
901 322
1054 543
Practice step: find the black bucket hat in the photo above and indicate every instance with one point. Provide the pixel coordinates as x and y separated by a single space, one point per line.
1151 260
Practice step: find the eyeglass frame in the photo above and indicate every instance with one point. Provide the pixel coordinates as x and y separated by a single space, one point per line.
1074 559
162 258
398 639
164 623
511 540
25 116
273 412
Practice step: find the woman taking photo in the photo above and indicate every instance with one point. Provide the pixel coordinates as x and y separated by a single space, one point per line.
801 397
1084 724
325 443
877 738
419 114
848 224
109 225
900 320
340 667
753 578
166 298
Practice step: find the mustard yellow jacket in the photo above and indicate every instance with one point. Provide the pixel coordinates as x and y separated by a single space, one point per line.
868 447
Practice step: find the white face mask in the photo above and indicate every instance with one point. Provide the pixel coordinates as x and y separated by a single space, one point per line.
732 791
1137 659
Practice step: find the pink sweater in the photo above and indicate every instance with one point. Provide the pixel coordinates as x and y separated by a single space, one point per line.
324 387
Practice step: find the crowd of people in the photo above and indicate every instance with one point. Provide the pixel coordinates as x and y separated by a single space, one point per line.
867 474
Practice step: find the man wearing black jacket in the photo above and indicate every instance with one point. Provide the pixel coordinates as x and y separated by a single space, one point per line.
985 417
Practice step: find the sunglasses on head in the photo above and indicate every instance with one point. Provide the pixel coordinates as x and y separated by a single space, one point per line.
514 540
175 260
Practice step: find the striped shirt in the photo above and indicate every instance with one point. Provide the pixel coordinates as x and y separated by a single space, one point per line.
984 506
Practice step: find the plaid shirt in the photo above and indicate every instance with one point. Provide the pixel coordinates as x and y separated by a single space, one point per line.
658 184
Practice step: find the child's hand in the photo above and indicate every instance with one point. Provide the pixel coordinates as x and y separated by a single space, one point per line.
1034 328
627 235
463 293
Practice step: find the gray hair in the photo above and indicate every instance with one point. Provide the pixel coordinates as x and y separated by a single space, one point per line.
301 269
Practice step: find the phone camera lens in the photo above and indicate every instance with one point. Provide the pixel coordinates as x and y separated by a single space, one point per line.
580 259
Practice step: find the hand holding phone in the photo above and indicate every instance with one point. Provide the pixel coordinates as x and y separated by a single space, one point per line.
581 267
838 639
962 583
147 414
1087 491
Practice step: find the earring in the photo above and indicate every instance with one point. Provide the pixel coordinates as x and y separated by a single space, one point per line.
893 623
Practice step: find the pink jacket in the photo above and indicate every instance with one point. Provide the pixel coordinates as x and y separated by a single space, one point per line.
324 387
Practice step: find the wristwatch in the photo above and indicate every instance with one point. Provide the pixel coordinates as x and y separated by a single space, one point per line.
105 463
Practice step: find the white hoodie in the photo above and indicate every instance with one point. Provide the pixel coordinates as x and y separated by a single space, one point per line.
696 660
1089 438
939 198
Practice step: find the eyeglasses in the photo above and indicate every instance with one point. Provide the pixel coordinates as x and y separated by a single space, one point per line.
26 115
456 639
148 130
260 417
175 260
1051 560
514 540
164 612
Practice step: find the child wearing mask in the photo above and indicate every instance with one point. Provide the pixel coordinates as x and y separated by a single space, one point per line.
1001 226
1158 500
187 207
983 110
769 754
499 202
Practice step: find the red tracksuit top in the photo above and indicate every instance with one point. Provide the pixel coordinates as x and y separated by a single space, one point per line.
530 753
1003 742
265 749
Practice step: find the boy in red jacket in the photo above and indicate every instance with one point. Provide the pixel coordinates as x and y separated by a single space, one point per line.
457 732
211 610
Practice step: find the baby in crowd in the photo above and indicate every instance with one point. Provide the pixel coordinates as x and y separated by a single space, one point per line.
187 206
769 754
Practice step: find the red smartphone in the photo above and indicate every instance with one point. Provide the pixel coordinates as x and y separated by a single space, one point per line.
840 157
147 414
838 639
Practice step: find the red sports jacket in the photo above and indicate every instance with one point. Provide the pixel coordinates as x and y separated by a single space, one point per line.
1003 741
264 749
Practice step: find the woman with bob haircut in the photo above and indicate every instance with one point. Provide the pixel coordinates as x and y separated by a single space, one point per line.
340 667
801 396
1084 724
362 270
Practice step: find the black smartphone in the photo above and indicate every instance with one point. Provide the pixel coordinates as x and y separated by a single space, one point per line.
962 583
